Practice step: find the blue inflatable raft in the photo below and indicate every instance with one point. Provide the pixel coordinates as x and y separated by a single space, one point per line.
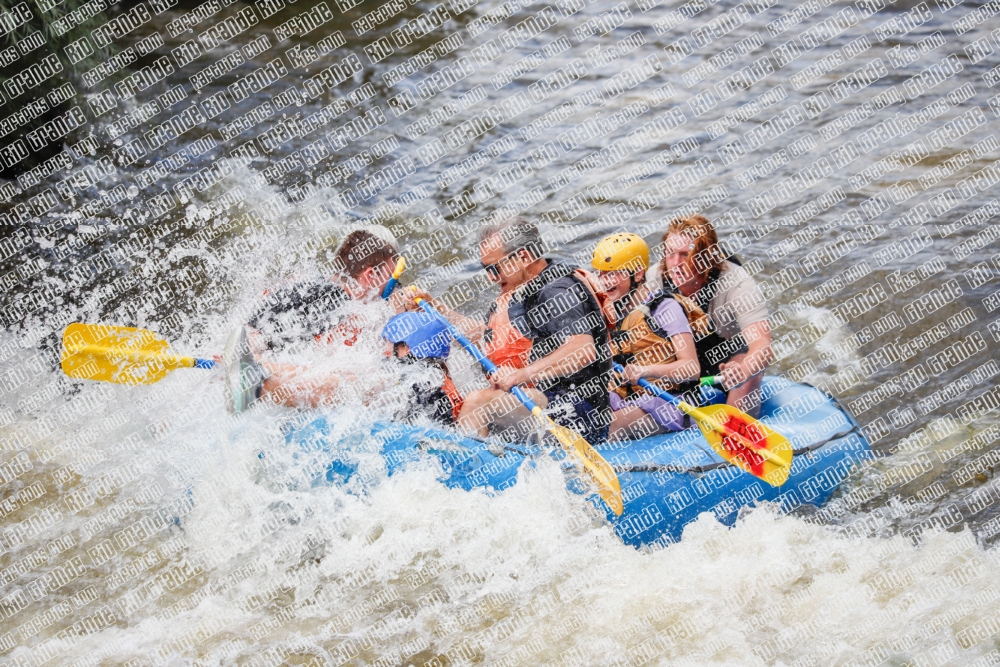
666 480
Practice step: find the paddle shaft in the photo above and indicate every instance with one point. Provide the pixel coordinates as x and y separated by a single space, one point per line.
394 280
609 488
171 360
697 414
645 384
478 355
389 286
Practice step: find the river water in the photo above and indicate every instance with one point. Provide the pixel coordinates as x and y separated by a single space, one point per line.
837 147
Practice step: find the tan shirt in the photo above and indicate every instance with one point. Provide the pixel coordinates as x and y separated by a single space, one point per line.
739 302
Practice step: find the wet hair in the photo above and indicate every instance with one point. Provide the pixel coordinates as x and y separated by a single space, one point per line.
512 235
362 250
706 254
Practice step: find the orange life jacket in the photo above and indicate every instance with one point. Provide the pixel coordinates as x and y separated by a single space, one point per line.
507 346
346 332
451 391
638 339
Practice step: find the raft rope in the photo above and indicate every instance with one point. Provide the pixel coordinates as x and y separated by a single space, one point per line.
669 467
500 449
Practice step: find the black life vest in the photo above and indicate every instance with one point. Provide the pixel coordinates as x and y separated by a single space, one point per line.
302 312
524 311
441 403
711 339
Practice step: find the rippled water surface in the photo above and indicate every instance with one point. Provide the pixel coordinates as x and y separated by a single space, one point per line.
144 525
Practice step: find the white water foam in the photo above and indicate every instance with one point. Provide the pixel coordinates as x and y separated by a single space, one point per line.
263 566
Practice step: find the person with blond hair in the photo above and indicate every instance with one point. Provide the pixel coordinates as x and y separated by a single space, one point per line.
738 349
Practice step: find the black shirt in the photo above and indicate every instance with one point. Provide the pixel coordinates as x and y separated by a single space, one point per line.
430 401
299 313
549 309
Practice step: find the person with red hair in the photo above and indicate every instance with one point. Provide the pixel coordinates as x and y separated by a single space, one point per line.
739 347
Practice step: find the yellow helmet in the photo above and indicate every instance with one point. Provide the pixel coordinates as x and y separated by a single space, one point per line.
621 251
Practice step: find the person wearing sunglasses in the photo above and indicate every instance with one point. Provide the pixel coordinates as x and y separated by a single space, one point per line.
546 332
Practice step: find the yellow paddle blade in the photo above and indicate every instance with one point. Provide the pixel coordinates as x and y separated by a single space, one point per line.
594 464
745 442
124 355
400 267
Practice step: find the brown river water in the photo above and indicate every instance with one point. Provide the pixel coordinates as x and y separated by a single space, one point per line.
848 151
